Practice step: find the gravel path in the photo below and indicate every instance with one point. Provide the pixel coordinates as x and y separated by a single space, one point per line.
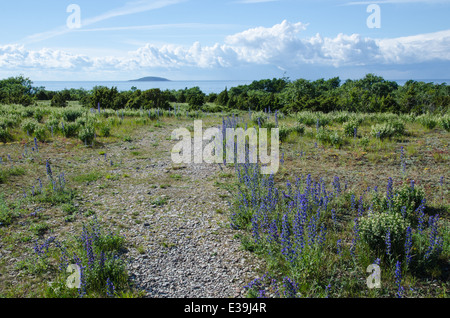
190 251
184 248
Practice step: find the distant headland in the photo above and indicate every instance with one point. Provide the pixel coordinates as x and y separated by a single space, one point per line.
151 79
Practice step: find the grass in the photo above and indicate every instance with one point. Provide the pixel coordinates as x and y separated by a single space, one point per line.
88 177
361 162
7 172
160 201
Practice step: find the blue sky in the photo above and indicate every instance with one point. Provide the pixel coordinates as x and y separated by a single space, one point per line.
228 39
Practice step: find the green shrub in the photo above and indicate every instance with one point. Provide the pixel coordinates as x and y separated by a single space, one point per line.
322 120
388 130
69 129
41 133
259 118
399 127
87 134
323 136
329 137
71 114
445 122
38 114
427 120
81 121
52 122
299 128
406 201
8 121
374 227
349 128
29 125
268 125
341 117
284 132
335 139
152 115
5 136
306 118
27 113
364 142
105 130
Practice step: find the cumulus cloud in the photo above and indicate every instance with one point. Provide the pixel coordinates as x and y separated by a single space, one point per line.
418 48
17 57
281 46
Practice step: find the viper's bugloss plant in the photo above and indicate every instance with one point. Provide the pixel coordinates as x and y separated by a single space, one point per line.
398 279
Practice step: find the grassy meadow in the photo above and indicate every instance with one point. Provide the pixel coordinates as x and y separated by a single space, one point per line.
353 189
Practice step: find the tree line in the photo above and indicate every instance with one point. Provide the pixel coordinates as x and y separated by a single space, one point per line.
369 94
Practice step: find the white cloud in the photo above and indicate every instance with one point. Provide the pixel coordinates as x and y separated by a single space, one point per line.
418 48
17 57
280 46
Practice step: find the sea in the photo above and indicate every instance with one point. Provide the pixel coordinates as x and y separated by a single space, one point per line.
206 87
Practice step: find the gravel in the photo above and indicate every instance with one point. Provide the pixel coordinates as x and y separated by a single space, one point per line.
184 248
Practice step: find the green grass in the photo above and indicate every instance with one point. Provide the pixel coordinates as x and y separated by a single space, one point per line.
6 214
363 161
88 177
7 172
160 201
39 228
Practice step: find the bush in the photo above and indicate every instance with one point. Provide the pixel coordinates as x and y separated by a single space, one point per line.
373 229
322 120
388 130
364 142
259 118
29 126
41 133
27 113
349 128
59 100
87 134
98 254
284 132
428 121
52 122
323 136
299 128
38 114
8 121
445 122
306 118
341 117
105 130
399 127
406 201
69 129
72 114
329 137
5 136
335 139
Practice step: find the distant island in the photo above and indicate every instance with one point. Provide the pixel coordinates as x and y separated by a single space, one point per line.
151 79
